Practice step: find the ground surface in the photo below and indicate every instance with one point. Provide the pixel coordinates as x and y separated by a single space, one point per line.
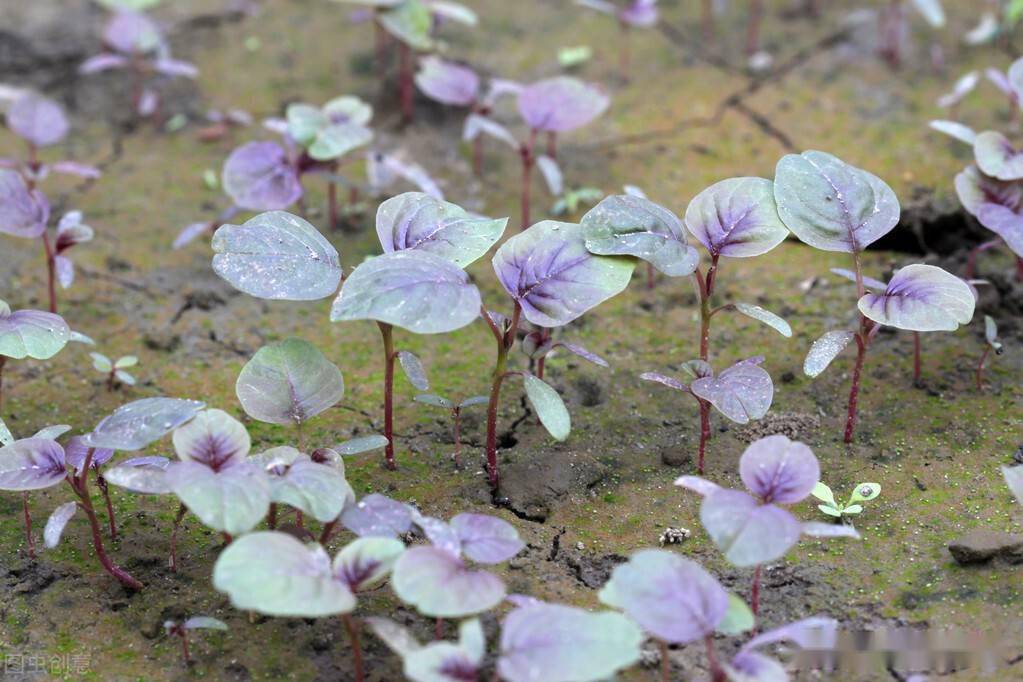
690 116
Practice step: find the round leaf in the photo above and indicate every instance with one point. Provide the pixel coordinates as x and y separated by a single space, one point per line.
259 177
743 392
37 120
288 382
31 334
626 225
745 531
23 212
736 218
486 539
377 515
549 272
319 490
997 157
447 82
31 464
232 500
414 290
214 438
921 298
439 585
415 220
365 562
561 104
277 255
137 424
831 205
779 470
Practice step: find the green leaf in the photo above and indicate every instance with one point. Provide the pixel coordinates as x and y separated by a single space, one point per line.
100 362
232 500
288 382
549 407
6 437
738 618
410 22
823 493
767 317
829 510
853 509
865 492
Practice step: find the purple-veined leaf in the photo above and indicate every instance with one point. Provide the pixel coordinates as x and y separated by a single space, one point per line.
824 350
259 177
549 272
23 212
131 32
549 407
434 400
486 539
557 643
551 172
365 562
175 68
975 189
748 533
418 221
779 470
232 500
288 382
832 205
700 368
414 370
1014 479
1004 222
439 585
214 439
76 450
697 484
204 623
135 425
583 353
767 317
410 22
377 516
318 490
415 290
997 157
276 574
105 61
31 464
964 85
146 475
31 333
438 661
743 392
665 380
276 460
535 346
868 282
362 444
277 255
629 225
955 130
561 104
816 529
672 598
440 534
447 82
921 298
475 125
736 218
56 523
38 120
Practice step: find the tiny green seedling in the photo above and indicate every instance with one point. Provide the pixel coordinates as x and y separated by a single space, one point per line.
456 414
115 370
572 199
863 492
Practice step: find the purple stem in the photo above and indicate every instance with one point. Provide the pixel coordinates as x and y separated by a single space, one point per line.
386 333
980 368
352 628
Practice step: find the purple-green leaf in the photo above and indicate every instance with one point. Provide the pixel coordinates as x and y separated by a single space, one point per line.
56 523
259 177
743 392
440 585
997 157
31 464
288 382
232 500
561 104
447 82
825 349
31 333
486 539
736 218
214 439
38 120
779 470
377 515
137 424
748 533
921 298
24 212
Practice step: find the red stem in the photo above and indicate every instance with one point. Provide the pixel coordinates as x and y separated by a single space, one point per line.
271 517
332 204
405 82
552 144
81 488
102 485
708 20
704 433
477 156
28 526
917 371
665 662
353 636
328 528
184 646
179 517
438 629
526 153
457 413
854 390
386 333
649 276
756 8
504 344
755 592
51 272
980 368
717 674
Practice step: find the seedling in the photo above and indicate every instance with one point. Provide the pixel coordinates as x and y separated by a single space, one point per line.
40 462
893 27
863 492
115 370
963 87
833 206
41 122
993 343
997 204
134 43
456 415
458 85
776 471
180 630
734 218
275 574
556 105
410 23
637 14
570 200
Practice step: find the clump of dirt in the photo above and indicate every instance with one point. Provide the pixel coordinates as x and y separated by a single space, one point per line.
930 226
592 570
793 425
532 486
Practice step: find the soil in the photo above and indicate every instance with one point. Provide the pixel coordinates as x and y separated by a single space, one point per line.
690 115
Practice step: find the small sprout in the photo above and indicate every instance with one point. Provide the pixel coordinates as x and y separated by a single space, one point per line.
863 492
180 630
993 344
114 371
574 56
456 414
